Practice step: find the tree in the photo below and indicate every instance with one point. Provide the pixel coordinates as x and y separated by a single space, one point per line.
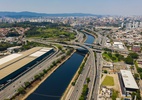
138 95
37 77
117 54
54 63
131 67
68 52
60 47
88 80
105 52
133 95
129 60
141 75
27 84
134 55
41 74
109 54
113 58
81 98
139 70
21 90
105 71
114 95
136 76
44 71
73 83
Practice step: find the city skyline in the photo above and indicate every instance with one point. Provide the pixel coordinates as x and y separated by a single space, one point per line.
101 7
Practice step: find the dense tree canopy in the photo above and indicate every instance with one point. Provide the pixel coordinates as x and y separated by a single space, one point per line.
133 55
129 60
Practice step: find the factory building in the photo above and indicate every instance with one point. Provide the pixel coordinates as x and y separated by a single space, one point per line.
127 82
13 65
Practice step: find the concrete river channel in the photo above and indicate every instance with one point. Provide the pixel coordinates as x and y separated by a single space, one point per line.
55 85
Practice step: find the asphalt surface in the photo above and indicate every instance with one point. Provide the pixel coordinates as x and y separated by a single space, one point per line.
11 89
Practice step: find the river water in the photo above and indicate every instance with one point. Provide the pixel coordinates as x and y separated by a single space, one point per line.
55 85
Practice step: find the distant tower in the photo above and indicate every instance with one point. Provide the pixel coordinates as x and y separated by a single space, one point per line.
122 25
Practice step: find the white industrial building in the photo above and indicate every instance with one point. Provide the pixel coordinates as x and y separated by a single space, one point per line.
127 82
128 79
118 45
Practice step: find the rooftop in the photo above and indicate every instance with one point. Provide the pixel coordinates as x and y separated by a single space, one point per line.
128 79
13 62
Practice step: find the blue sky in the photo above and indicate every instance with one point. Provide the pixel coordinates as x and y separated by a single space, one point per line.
110 7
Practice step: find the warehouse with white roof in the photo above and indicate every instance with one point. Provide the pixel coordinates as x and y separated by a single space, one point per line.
15 64
119 45
127 81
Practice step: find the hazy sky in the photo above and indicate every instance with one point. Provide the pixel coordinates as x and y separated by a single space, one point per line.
110 7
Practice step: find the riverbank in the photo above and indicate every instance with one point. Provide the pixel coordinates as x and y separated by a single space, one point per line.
91 35
37 83
84 39
70 86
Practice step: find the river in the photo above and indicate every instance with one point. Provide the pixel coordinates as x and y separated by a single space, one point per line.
90 39
55 85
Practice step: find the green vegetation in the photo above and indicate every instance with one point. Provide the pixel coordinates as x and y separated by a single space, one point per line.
106 49
136 64
137 94
136 76
138 69
108 56
73 83
30 45
129 60
59 46
134 55
80 70
105 71
140 72
88 80
31 24
82 66
108 81
27 84
119 56
114 95
37 77
21 90
4 45
12 34
84 92
45 32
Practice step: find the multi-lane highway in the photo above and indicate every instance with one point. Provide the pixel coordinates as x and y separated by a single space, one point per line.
97 78
77 89
11 89
91 70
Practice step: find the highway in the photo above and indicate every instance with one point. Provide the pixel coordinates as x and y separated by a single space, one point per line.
98 77
11 89
91 75
92 69
89 71
77 89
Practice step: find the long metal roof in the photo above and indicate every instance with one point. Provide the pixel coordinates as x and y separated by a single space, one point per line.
128 79
17 61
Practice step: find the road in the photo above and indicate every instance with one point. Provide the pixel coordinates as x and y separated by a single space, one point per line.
11 89
98 77
91 75
77 89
